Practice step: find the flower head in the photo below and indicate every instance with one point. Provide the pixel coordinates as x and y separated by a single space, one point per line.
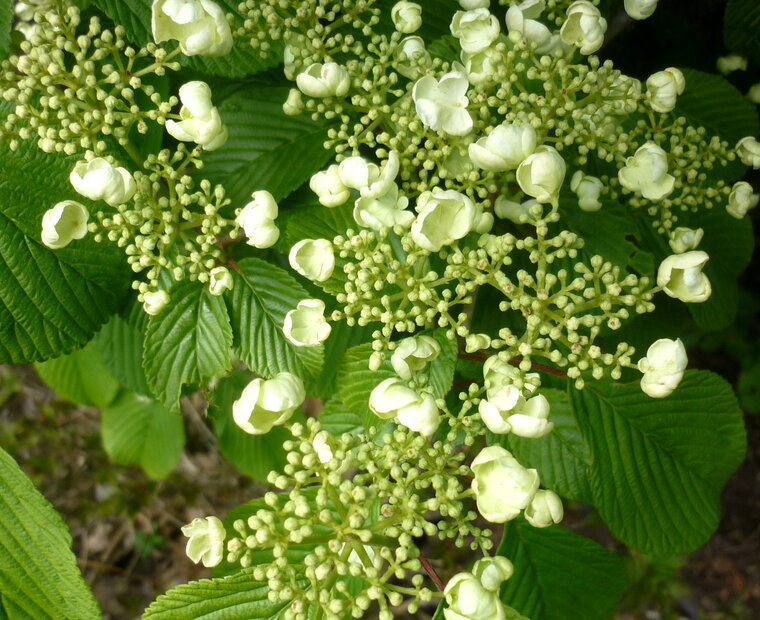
468 599
505 148
206 542
680 276
324 80
741 199
200 26
65 222
748 150
306 326
155 301
257 220
443 216
406 16
523 19
663 89
413 354
385 211
732 62
584 27
98 179
542 173
684 239
646 172
663 367
501 485
267 403
544 509
200 122
476 29
313 259
411 58
329 188
442 104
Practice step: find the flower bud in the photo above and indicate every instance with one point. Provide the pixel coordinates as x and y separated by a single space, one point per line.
748 150
412 58
418 412
257 220
584 27
98 179
476 342
680 276
640 9
505 148
220 280
65 222
741 199
328 187
313 259
664 87
443 216
492 572
541 174
684 239
469 5
406 16
442 104
523 19
475 29
413 354
588 189
206 542
732 62
200 122
513 211
663 367
306 326
200 26
754 93
545 509
324 80
294 103
481 67
322 445
501 485
468 599
647 172
371 180
266 403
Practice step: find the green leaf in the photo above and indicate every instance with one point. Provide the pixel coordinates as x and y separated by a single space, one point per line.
254 455
441 369
258 302
190 339
120 346
139 431
560 575
740 27
39 578
561 457
336 419
237 597
51 302
266 149
748 388
6 24
658 465
342 337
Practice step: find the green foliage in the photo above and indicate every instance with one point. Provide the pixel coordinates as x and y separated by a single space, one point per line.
560 575
657 466
342 337
6 23
337 419
39 578
740 27
188 340
139 431
120 345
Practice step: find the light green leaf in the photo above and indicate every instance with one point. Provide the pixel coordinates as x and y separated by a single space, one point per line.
560 575
740 27
80 377
266 149
561 457
139 431
6 24
658 465
51 302
190 339
120 345
39 578
255 455
441 369
258 302
336 419
237 597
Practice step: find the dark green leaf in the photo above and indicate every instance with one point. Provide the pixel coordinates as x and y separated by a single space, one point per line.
740 27
6 24
120 346
342 337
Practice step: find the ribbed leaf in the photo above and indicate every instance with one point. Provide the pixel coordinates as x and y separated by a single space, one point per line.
342 337
560 575
120 346
190 339
6 22
336 419
39 578
258 302
51 302
441 369
237 597
740 27
139 431
80 377
658 465
356 381
266 149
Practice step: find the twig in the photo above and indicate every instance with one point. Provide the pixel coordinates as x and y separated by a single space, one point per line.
432 574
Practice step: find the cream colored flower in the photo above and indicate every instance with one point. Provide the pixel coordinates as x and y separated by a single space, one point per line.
502 487
442 104
663 367
65 222
306 326
200 121
264 403
206 542
98 179
647 172
681 276
200 26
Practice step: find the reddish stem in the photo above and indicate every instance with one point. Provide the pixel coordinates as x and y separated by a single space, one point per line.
516 361
432 574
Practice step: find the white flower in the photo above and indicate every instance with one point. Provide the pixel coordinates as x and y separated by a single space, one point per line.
530 419
206 542
663 89
306 326
584 27
754 93
501 485
98 179
741 199
442 104
200 26
294 103
475 29
412 354
680 276
155 301
640 9
371 181
257 220
327 185
513 211
588 189
412 58
220 280
469 5
200 122
322 445
505 148
468 599
507 411
313 259
522 18
443 216
481 67
495 418
663 367
731 63
748 150
545 509
647 172
476 342
541 174
265 403
684 239
497 373
418 412
323 80
492 572
65 222
406 16
385 211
